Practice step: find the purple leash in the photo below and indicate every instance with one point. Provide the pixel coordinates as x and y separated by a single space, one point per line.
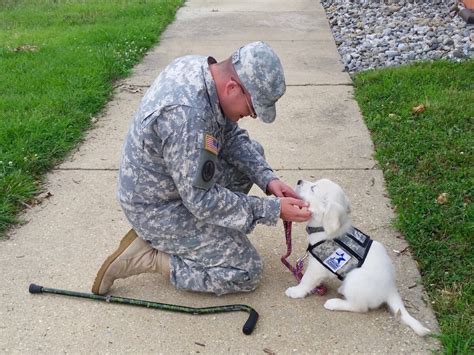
297 270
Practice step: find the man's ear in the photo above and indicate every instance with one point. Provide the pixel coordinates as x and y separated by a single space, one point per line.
334 218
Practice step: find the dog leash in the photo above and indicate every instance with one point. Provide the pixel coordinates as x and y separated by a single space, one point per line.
297 270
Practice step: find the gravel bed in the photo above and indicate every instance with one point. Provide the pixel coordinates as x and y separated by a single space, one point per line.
373 34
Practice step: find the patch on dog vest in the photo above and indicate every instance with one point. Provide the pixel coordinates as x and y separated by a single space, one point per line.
342 254
337 260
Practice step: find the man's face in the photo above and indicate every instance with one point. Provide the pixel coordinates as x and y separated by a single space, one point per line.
237 102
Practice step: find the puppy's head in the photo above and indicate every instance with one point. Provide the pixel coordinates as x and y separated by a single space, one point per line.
328 204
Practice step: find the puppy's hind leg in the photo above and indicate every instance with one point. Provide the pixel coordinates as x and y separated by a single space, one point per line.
351 303
338 304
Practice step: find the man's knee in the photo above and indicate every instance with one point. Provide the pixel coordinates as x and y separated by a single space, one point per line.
230 277
234 179
255 275
246 279
258 147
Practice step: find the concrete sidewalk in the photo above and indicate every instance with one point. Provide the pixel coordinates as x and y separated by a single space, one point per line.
318 133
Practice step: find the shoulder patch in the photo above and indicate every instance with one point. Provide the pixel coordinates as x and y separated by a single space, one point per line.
211 144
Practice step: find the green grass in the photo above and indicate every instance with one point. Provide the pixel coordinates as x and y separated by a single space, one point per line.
424 155
58 62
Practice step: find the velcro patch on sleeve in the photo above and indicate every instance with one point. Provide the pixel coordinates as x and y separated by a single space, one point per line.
211 144
207 162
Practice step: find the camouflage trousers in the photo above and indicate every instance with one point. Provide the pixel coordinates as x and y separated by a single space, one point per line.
204 257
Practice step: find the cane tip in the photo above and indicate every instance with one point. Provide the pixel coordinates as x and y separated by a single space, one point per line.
35 288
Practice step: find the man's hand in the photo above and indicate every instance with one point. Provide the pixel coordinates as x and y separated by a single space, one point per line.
293 209
280 189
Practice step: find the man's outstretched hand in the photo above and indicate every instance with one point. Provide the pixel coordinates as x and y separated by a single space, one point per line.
280 189
292 208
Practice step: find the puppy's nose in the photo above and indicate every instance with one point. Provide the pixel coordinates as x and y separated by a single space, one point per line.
299 182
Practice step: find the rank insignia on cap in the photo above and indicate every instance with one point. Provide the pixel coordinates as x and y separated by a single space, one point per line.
211 144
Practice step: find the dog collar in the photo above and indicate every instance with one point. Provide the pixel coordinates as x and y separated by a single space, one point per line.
311 230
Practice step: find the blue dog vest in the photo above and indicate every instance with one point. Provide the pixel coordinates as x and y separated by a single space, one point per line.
342 254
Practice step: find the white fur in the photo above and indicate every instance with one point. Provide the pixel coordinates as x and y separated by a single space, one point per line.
364 288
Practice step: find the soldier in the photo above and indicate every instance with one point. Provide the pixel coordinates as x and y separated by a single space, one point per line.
187 168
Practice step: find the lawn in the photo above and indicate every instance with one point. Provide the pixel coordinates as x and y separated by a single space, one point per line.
421 119
59 60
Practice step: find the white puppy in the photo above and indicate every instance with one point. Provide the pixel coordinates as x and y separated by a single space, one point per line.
345 252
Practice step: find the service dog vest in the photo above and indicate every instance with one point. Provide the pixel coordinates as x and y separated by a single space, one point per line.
342 254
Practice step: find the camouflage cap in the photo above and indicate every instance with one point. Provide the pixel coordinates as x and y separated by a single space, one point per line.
261 73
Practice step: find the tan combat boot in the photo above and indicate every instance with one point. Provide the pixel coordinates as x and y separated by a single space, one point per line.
134 256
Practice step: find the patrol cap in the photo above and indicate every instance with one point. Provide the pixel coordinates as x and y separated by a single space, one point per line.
261 73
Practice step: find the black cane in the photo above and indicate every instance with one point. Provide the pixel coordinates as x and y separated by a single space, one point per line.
247 329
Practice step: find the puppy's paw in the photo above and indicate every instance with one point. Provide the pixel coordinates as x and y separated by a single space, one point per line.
295 292
332 304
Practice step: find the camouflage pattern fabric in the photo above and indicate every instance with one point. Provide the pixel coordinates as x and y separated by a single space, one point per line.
343 254
184 178
261 72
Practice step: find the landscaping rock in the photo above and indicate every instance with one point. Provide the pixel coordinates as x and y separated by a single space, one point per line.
373 34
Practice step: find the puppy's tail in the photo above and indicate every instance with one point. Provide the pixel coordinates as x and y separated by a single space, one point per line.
395 304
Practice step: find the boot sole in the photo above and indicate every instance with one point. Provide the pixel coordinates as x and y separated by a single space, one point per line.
124 244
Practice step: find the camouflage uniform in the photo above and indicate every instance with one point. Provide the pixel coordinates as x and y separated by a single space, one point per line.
184 178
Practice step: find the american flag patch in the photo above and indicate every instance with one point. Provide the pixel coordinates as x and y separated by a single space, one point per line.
211 144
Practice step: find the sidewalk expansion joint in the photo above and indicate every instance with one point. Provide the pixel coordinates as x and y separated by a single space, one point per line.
85 169
277 169
337 84
329 169
287 85
138 86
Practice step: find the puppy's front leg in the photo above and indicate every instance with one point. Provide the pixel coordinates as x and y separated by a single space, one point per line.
313 277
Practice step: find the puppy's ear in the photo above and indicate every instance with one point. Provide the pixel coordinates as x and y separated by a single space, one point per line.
334 218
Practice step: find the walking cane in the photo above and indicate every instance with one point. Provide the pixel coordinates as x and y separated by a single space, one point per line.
247 329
